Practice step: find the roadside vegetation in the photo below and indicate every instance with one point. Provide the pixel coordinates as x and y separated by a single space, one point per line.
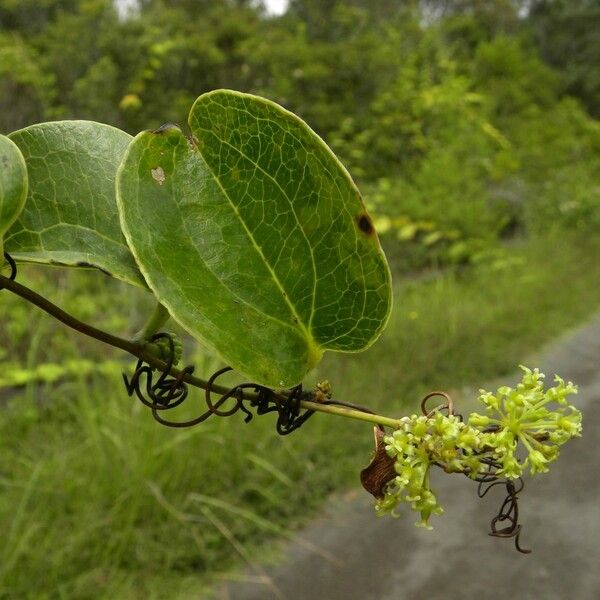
97 500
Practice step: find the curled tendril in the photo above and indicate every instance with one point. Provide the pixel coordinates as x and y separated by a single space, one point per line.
13 267
448 405
509 509
169 392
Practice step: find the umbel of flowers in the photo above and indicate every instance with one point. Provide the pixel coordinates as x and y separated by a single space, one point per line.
520 430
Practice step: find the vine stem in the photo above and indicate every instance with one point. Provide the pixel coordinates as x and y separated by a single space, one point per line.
138 348
350 413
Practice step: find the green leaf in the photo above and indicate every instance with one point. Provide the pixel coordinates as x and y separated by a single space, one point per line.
13 186
71 216
254 237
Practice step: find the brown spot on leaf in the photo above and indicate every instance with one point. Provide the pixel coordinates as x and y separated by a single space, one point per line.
380 470
364 224
192 142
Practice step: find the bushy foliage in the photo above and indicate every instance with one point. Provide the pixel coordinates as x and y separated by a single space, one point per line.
457 130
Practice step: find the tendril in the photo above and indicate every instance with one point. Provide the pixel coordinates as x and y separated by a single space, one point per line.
509 509
169 392
448 405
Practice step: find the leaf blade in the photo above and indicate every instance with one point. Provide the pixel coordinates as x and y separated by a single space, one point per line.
241 272
324 192
13 186
70 217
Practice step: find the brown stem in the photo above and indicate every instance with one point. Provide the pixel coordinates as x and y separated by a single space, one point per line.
137 349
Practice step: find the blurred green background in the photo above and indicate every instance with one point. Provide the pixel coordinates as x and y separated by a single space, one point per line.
471 128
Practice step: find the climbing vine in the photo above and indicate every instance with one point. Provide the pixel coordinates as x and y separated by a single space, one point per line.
252 236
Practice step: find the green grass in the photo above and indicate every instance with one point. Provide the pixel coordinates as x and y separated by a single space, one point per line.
99 501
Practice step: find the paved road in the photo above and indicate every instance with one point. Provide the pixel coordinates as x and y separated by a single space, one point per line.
382 559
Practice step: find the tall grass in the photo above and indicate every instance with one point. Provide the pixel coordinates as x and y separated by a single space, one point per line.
99 501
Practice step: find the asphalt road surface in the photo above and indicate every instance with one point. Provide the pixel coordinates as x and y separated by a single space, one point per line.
347 553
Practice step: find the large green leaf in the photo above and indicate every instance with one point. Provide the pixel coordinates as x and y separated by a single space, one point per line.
13 186
254 237
71 216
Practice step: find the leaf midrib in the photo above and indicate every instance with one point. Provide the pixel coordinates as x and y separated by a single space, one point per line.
167 303
290 202
258 249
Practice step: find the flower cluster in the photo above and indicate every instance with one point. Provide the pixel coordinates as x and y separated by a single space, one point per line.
527 417
541 420
419 443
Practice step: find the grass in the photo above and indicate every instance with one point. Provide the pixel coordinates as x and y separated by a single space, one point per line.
98 501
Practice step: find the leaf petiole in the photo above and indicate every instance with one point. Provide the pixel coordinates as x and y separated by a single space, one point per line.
154 323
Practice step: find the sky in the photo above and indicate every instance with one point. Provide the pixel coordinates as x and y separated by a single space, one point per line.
275 7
